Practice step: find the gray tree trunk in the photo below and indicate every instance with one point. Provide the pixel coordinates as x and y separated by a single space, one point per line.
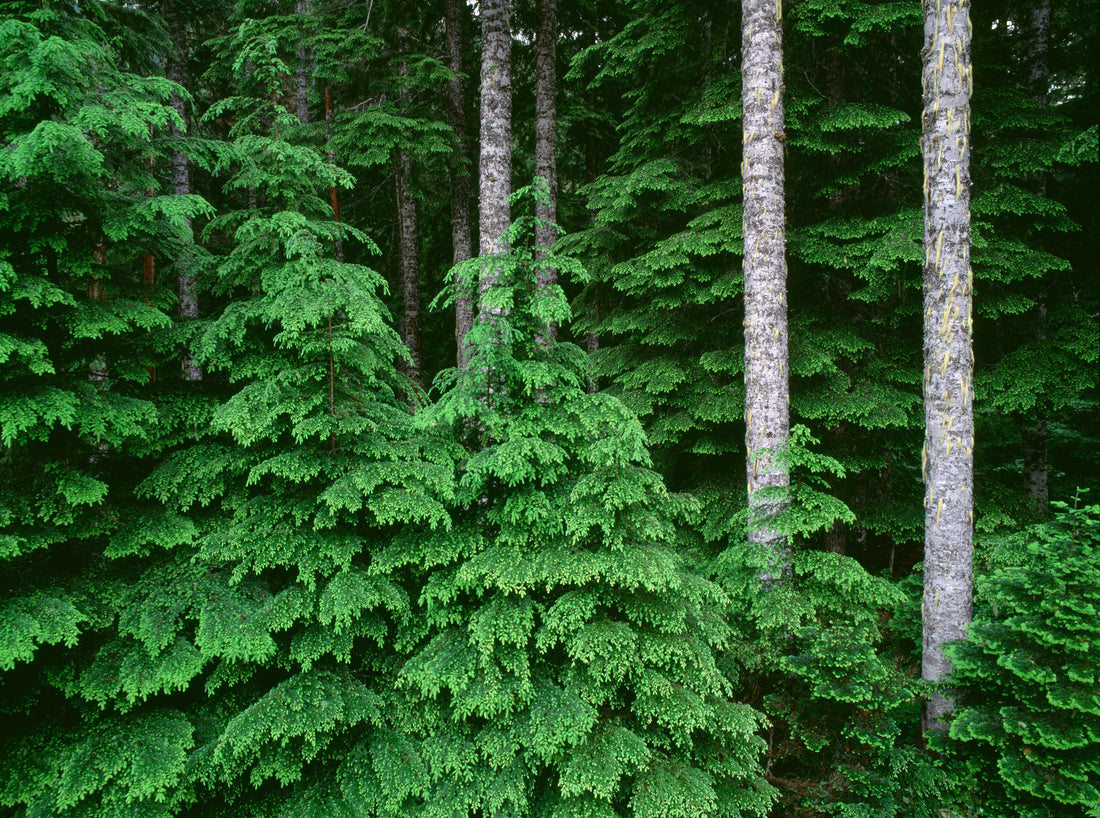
176 69
948 357
496 144
767 414
1034 441
461 242
546 147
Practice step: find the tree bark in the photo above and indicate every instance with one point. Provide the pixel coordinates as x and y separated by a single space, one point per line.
1034 440
176 69
460 180
301 97
409 266
546 149
334 198
948 356
496 145
408 242
767 414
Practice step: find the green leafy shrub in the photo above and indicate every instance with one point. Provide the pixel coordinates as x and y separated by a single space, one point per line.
1026 737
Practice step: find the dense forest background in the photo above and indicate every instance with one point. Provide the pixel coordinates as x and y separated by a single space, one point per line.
307 509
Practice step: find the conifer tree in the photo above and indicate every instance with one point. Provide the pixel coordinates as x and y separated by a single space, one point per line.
80 117
948 354
562 651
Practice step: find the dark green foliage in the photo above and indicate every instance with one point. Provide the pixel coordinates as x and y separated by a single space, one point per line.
821 653
1028 729
76 321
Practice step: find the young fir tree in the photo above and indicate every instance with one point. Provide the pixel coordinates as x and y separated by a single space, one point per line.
665 243
561 654
80 423
248 646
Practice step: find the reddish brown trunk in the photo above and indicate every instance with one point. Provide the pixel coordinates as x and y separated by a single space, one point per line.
333 198
409 267
408 244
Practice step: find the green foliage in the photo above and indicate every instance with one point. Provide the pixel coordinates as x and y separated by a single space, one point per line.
1026 736
843 708
561 653
304 587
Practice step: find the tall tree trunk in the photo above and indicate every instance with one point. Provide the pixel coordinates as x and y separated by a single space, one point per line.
408 241
767 413
592 167
496 144
948 357
546 147
461 242
187 287
1034 434
97 369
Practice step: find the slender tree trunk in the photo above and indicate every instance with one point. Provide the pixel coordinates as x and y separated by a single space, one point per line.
948 357
334 199
592 171
408 243
149 271
546 148
1034 440
1034 435
409 266
767 414
592 345
460 180
187 286
97 369
301 97
496 144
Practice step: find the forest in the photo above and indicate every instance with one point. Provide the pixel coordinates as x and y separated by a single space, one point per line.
557 408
